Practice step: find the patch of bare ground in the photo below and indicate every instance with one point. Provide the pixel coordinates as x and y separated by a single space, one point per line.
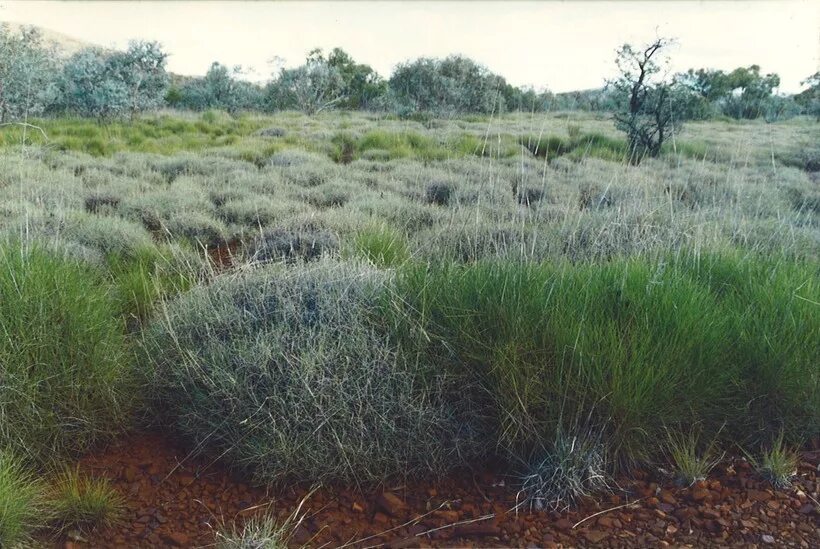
174 500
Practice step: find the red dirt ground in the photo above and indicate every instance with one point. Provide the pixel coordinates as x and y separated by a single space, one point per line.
173 500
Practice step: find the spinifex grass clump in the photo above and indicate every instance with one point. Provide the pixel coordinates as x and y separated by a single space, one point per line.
256 533
771 312
692 459
22 499
575 466
302 242
284 372
381 245
84 502
777 464
619 342
636 345
65 375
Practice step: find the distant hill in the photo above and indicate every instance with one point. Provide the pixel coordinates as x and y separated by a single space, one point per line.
66 45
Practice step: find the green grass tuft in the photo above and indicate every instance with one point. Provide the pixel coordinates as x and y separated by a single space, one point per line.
84 503
777 463
382 246
22 501
67 377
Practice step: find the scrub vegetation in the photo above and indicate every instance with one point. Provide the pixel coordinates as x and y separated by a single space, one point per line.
362 296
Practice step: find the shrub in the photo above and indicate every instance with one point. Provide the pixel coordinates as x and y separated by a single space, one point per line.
21 501
281 372
529 195
67 380
84 503
107 235
271 132
438 193
306 243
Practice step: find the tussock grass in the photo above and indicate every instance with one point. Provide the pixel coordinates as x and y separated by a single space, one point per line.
283 373
382 246
527 294
141 281
84 503
22 501
263 532
67 377
574 467
777 463
691 457
256 533
635 345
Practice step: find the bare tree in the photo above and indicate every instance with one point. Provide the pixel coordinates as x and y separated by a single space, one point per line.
647 112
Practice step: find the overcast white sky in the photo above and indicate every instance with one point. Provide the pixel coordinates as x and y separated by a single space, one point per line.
560 45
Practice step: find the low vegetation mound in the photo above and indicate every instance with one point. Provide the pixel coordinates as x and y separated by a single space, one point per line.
627 349
66 381
283 372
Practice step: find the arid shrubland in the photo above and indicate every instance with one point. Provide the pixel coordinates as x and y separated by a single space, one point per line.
355 297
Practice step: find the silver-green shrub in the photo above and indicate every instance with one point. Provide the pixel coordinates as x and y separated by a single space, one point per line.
282 372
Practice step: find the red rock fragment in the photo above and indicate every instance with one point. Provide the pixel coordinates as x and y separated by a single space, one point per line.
177 539
391 504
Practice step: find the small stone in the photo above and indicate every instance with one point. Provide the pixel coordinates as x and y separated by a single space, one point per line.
668 498
606 522
595 536
807 509
301 535
478 529
666 507
390 503
177 539
700 494
130 473
767 539
759 495
448 516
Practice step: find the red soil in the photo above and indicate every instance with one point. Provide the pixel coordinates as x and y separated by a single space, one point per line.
174 500
222 255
